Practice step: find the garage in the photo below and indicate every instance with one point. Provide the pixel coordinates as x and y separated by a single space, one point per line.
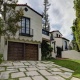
22 51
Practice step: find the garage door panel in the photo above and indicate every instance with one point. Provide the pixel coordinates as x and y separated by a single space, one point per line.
15 51
31 52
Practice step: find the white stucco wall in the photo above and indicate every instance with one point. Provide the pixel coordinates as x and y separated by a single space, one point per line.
46 37
58 42
71 54
39 52
54 55
55 34
2 44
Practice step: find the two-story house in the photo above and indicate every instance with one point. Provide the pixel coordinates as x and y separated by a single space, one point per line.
26 44
58 41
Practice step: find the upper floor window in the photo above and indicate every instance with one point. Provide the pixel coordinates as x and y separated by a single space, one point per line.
25 27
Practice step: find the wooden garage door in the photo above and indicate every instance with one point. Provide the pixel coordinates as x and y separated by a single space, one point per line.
15 51
21 51
31 52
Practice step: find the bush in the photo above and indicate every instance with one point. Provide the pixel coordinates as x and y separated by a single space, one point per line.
1 58
46 50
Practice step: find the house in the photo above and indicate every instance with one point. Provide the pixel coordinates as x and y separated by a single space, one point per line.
26 44
58 41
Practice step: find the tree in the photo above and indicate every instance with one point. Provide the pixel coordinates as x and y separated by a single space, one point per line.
9 17
46 50
46 24
76 24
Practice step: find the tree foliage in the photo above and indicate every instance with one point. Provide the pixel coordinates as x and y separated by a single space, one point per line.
46 24
46 50
76 24
10 17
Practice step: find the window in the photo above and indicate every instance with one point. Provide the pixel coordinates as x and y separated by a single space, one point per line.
25 27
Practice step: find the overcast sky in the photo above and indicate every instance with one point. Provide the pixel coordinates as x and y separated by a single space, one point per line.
61 14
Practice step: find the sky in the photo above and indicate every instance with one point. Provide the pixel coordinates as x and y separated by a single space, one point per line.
61 14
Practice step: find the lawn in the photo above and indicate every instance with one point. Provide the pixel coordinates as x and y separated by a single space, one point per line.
71 64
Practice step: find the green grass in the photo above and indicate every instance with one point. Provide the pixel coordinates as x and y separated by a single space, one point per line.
71 64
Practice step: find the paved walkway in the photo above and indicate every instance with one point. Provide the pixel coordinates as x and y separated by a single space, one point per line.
34 70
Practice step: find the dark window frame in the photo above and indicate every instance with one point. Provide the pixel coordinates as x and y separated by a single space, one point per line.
25 23
25 33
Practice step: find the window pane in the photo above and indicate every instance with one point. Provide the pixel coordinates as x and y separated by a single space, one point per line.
23 25
23 22
27 21
27 30
27 26
23 30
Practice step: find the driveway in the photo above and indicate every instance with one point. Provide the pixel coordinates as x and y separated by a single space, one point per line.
34 70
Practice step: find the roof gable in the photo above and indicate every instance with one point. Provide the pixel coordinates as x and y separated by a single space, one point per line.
56 31
28 7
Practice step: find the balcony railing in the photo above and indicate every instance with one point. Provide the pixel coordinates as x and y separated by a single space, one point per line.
28 32
45 32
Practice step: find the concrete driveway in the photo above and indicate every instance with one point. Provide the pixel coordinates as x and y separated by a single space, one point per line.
33 70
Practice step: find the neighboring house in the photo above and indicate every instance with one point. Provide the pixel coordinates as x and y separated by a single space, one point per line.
58 41
26 44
